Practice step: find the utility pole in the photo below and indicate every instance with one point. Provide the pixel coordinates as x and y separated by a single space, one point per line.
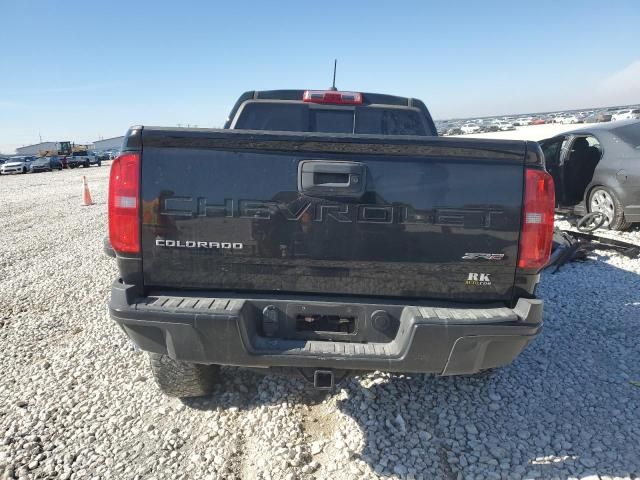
40 135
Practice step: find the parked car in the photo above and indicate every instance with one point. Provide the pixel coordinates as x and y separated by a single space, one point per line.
538 121
357 240
470 128
593 118
45 164
569 119
18 164
103 156
503 126
82 159
597 169
626 115
489 127
619 115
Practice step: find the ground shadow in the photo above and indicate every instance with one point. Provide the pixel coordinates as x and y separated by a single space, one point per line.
239 388
566 407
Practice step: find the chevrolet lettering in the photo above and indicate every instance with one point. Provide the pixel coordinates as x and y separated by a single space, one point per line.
183 206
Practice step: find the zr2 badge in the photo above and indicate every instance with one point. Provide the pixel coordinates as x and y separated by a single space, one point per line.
483 256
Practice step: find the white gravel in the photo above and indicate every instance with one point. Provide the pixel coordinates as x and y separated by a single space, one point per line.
76 401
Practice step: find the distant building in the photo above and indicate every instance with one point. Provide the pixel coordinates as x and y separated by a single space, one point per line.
34 149
108 144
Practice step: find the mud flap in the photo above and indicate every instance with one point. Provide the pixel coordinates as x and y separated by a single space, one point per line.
472 354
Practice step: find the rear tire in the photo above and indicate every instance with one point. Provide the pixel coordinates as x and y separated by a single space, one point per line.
601 199
183 379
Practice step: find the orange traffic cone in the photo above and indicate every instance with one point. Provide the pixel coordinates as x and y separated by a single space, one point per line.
86 194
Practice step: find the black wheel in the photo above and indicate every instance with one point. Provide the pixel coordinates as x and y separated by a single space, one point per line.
24 170
99 163
603 200
183 379
591 221
86 164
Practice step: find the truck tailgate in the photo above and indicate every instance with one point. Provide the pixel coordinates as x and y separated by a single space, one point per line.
330 214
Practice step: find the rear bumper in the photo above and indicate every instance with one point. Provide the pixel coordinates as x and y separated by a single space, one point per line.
446 339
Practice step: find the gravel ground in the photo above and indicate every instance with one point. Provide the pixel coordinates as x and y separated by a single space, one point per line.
76 401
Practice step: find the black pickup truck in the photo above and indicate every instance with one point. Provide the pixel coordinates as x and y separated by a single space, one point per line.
326 232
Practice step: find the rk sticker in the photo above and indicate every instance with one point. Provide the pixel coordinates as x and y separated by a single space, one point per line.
478 279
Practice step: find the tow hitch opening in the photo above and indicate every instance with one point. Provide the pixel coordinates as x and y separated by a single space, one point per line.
323 379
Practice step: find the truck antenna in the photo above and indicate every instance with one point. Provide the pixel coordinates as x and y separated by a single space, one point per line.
335 66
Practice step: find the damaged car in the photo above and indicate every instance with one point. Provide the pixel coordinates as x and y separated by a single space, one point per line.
597 169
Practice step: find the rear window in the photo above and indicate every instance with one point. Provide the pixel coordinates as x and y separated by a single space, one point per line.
629 134
389 121
296 117
274 116
331 121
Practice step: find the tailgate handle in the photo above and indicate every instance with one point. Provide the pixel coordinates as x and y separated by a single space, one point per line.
319 177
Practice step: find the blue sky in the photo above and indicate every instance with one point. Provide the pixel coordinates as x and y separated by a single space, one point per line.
81 70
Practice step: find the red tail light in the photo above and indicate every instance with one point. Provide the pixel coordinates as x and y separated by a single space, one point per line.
124 208
537 220
332 96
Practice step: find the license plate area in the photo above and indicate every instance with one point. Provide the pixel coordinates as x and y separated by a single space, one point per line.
325 323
